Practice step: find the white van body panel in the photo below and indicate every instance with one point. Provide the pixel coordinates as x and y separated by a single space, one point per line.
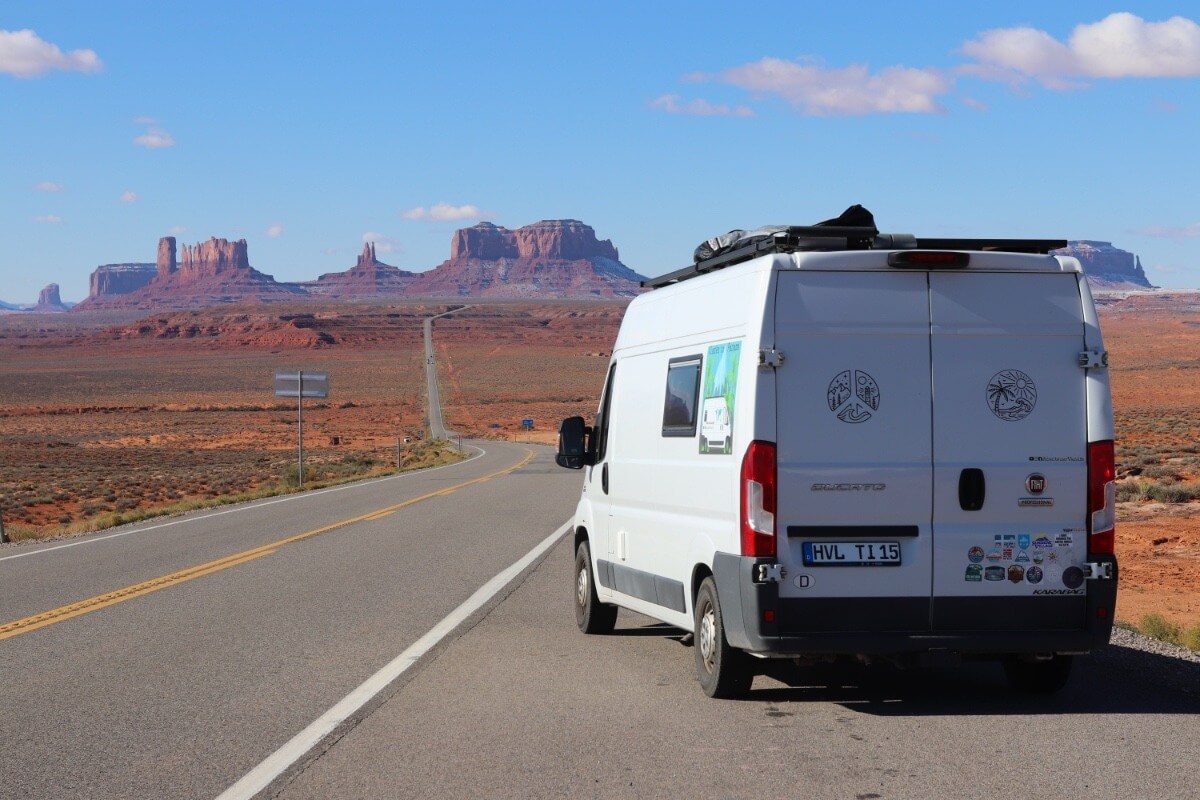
882 388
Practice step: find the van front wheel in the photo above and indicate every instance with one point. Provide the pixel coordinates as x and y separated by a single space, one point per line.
591 615
724 671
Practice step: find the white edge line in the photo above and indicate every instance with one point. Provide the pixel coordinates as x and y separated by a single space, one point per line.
247 506
278 762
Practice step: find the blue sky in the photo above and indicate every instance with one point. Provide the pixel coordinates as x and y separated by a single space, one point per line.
304 127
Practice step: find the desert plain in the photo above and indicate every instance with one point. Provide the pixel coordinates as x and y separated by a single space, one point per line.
110 413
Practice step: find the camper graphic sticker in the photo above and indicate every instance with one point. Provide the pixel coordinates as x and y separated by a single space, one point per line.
718 394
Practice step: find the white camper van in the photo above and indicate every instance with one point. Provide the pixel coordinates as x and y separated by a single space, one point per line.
919 459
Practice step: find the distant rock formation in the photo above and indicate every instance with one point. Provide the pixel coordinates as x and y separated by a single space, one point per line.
49 300
114 279
369 277
165 264
551 258
1107 267
558 239
211 273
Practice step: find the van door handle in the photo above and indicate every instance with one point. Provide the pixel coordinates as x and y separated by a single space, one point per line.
604 478
971 489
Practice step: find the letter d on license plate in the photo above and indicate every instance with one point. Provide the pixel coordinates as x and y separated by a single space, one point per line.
851 554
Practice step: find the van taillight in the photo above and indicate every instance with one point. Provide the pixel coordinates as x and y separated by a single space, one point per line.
1102 497
758 500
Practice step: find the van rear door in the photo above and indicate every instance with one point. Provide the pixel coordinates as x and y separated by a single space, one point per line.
1009 452
853 451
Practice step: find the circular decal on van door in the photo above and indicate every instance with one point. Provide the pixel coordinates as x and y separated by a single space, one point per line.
1011 395
853 396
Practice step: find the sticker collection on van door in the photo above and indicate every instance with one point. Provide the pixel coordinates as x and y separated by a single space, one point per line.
1026 558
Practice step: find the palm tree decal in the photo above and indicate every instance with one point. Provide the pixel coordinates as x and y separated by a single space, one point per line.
1011 395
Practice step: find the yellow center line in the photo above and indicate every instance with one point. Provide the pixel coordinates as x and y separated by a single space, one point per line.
32 623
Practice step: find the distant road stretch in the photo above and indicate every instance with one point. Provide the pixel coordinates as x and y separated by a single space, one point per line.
437 428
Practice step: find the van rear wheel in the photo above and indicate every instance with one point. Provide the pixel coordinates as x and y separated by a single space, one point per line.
591 615
724 671
1042 677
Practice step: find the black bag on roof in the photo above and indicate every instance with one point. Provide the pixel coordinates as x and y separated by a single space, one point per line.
853 217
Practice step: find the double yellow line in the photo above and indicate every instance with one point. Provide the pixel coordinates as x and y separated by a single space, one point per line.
17 627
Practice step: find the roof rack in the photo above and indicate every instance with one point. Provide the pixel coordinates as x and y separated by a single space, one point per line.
831 238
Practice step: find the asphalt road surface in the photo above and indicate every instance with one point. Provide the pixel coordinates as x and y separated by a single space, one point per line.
525 706
437 427
182 691
179 654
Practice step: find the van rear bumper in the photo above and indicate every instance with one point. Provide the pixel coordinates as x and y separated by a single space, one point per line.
882 625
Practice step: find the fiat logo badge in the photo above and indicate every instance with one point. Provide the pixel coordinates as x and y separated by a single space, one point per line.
1036 483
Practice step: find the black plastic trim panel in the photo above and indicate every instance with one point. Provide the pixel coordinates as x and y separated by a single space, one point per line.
646 586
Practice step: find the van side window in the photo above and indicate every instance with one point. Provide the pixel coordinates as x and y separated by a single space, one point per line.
600 439
683 389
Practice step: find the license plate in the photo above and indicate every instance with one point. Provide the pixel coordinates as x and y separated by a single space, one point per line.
851 554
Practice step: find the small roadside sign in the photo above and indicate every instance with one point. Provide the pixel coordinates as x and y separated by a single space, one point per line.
301 384
288 384
527 424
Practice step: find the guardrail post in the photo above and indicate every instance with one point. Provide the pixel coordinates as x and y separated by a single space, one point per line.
3 535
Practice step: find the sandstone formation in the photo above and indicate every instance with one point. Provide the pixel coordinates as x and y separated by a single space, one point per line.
370 277
113 279
551 258
1107 267
49 300
166 256
210 273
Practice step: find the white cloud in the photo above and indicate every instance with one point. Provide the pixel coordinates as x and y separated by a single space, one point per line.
854 90
129 197
49 186
1162 231
971 102
699 107
175 230
273 231
155 139
1121 45
444 212
383 244
50 219
24 54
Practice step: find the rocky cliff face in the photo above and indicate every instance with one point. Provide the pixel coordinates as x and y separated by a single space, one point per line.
557 239
49 300
551 258
369 277
166 256
113 279
211 273
1107 267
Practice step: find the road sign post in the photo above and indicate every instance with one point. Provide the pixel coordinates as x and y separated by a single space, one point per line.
298 385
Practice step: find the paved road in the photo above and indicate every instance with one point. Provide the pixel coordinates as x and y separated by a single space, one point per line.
525 706
437 427
185 686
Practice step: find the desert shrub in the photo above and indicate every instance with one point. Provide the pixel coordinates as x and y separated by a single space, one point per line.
1175 493
1191 637
1133 491
64 518
291 475
1161 472
1156 626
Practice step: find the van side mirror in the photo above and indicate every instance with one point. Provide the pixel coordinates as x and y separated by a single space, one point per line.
572 444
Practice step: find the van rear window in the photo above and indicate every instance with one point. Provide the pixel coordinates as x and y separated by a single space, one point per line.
683 388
